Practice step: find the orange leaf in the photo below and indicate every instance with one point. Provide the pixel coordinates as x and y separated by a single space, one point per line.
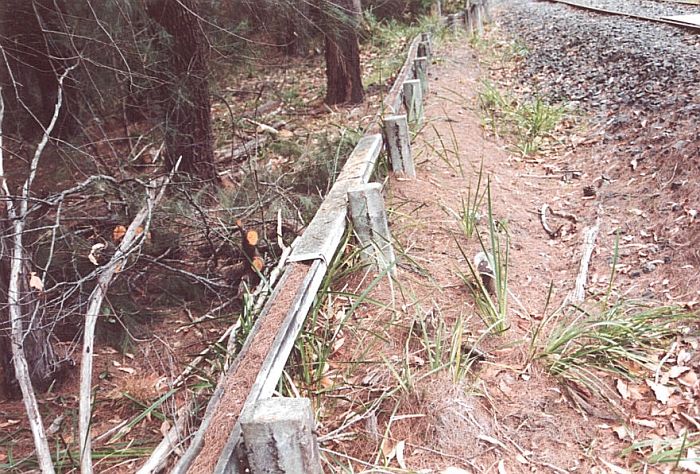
118 233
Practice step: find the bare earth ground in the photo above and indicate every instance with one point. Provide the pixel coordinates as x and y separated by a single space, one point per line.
507 415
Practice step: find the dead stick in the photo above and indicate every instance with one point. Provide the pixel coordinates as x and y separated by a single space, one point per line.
131 240
589 237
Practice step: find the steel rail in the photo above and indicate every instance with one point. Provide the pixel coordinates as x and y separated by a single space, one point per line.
678 24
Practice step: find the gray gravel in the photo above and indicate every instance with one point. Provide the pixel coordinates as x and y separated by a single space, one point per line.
651 8
634 75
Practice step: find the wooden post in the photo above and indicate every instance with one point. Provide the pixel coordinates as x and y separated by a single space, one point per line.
370 223
487 11
428 45
278 434
469 18
420 67
413 101
437 8
398 145
478 16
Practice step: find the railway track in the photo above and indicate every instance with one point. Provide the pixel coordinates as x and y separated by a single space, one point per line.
644 17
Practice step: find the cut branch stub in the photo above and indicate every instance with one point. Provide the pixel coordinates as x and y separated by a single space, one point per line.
398 145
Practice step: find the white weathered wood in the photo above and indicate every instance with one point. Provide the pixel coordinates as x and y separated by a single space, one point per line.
486 7
325 231
398 145
278 435
589 236
420 68
370 223
478 16
413 100
394 97
276 359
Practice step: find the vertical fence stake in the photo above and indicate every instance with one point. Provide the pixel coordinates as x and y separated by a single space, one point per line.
428 45
469 18
278 437
413 100
398 145
370 223
478 16
420 69
487 11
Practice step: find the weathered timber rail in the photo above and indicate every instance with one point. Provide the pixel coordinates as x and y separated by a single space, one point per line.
666 21
216 445
272 337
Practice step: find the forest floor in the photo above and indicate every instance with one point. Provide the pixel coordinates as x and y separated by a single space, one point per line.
417 381
410 375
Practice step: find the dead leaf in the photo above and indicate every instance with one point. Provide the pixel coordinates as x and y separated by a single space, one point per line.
35 282
677 371
622 389
614 468
165 428
689 379
491 440
662 392
128 370
93 253
9 422
399 454
644 423
338 344
622 432
118 233
388 450
502 467
689 463
454 470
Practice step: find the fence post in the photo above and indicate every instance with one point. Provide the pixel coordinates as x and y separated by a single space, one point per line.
398 145
278 434
370 223
478 16
487 11
413 100
469 18
420 69
427 45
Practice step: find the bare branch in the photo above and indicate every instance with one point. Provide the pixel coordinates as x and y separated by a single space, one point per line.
129 243
17 330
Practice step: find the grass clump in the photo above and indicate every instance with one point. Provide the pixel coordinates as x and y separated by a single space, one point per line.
488 279
673 452
622 339
527 121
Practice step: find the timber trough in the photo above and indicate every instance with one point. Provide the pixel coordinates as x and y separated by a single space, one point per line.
253 376
233 412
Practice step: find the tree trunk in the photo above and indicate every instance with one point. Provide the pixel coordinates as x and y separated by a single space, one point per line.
344 78
188 117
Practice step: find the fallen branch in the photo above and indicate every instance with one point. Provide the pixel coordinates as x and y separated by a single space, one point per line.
589 237
159 457
131 241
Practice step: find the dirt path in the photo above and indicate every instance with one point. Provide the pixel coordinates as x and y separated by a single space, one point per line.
506 414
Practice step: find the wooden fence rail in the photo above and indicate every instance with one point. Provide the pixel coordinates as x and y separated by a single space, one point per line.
216 446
